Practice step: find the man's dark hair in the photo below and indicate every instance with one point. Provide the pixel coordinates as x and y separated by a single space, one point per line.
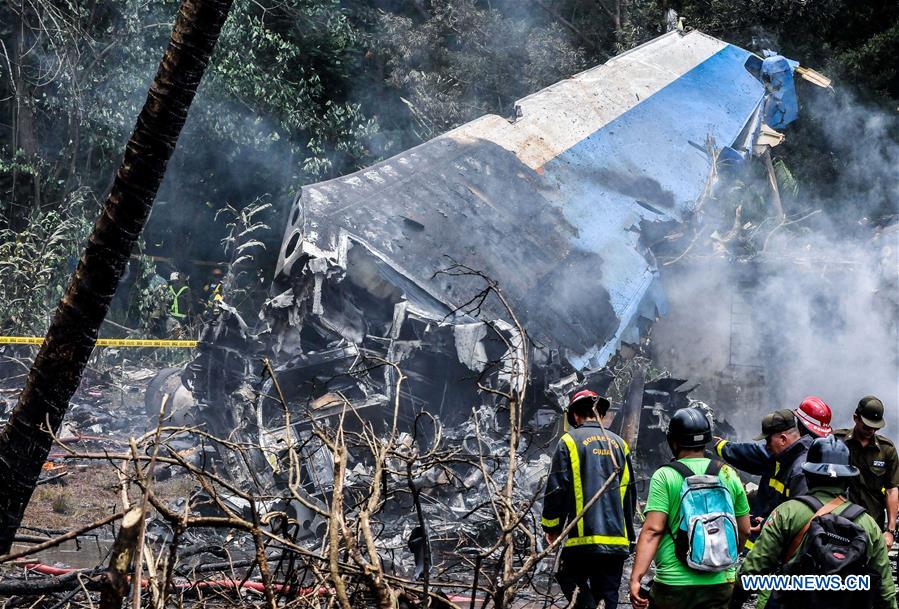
584 408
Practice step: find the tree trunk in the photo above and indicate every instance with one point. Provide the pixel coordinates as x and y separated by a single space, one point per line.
57 370
124 552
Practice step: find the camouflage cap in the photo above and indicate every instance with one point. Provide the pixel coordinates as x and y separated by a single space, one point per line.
870 410
776 422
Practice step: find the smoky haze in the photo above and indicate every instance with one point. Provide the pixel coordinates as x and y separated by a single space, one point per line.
815 312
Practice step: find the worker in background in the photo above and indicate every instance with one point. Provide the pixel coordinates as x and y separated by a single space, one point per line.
683 580
213 293
877 488
779 463
780 547
155 305
181 308
594 552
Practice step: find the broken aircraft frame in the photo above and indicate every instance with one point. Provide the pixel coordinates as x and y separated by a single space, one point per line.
559 206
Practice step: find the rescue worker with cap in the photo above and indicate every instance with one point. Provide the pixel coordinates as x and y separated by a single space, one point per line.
877 488
676 585
812 417
779 463
828 473
594 552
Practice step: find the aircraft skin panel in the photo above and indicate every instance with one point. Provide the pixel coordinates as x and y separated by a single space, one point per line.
550 205
558 117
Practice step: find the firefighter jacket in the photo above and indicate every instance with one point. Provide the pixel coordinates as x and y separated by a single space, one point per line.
582 463
781 475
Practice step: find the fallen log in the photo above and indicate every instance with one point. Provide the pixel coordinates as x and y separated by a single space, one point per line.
75 578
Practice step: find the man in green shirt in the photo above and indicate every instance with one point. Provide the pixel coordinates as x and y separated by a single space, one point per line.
676 585
828 473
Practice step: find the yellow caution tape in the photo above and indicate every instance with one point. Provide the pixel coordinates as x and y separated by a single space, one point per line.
107 342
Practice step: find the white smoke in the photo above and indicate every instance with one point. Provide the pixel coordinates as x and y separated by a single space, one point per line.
815 313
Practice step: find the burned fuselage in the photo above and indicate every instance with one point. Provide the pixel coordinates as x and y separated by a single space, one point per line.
556 206
379 297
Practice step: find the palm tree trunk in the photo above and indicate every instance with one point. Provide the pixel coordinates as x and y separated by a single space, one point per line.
56 373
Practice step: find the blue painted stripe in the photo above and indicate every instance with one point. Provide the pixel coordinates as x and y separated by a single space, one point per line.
654 152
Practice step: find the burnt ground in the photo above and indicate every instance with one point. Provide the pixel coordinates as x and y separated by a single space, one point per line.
92 489
108 409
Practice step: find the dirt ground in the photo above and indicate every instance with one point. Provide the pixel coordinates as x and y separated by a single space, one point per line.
86 493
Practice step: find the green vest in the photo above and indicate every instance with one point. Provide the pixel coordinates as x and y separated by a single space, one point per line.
175 310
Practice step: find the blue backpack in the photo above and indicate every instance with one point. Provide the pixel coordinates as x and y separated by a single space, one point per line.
706 537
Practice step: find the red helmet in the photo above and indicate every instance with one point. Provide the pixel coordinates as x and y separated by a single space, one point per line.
583 394
814 414
600 403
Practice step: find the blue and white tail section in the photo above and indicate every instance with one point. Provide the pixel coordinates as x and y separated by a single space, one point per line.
551 205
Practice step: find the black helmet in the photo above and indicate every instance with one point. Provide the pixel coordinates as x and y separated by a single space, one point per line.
689 428
829 457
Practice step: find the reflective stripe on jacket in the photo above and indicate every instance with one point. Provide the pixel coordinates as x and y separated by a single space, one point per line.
781 475
582 463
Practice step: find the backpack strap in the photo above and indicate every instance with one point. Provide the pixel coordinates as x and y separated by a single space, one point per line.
686 472
852 512
826 508
714 467
813 503
680 468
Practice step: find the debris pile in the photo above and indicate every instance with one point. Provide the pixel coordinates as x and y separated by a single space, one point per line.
386 302
384 428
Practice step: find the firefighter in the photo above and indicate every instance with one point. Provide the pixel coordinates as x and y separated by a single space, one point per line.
828 473
594 552
813 416
877 488
779 463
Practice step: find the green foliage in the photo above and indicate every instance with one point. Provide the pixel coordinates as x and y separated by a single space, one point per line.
273 112
464 60
785 179
290 63
149 300
874 62
37 262
241 247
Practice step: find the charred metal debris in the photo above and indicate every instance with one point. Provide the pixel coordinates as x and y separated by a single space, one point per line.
386 294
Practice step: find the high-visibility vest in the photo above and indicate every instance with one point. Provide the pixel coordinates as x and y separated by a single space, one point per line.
175 311
588 452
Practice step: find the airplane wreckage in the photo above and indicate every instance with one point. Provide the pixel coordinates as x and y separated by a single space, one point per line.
379 270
